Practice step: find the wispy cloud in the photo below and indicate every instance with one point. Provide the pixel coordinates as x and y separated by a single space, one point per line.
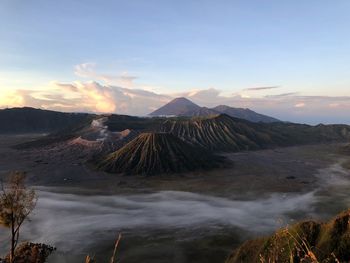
261 88
88 70
282 95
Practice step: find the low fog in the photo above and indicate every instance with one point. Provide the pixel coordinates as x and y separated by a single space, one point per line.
65 220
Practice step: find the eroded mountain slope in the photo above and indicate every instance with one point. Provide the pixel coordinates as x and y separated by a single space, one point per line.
156 153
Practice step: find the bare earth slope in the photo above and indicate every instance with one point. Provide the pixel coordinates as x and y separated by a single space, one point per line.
155 153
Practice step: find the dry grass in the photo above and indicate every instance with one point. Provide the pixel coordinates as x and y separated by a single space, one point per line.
91 259
307 242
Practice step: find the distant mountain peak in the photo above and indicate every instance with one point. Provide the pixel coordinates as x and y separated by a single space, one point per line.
184 107
176 107
182 100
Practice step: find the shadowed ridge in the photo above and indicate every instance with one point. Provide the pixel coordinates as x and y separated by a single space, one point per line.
156 153
246 114
31 120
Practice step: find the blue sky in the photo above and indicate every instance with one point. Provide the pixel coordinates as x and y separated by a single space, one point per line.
174 47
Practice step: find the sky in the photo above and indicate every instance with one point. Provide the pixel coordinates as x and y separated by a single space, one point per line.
288 59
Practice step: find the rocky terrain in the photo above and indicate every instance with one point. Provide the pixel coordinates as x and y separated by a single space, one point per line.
86 140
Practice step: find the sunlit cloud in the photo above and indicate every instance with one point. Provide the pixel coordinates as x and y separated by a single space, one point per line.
89 71
10 98
299 105
334 105
95 97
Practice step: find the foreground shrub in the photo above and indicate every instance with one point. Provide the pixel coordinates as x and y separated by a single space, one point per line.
30 253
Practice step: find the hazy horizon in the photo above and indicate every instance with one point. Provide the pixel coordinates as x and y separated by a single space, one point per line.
315 121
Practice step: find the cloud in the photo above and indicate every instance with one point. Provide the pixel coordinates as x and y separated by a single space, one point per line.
262 88
95 97
92 96
200 96
283 95
67 87
86 97
334 105
88 71
113 99
299 105
85 70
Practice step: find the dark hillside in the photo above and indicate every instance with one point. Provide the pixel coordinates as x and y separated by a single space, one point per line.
245 114
30 120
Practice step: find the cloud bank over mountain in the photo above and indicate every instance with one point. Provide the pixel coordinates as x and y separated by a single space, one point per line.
95 97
